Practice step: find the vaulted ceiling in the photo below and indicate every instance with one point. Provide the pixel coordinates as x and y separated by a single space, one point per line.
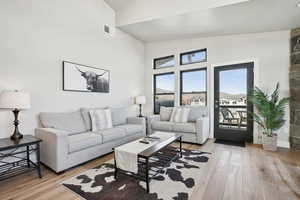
158 20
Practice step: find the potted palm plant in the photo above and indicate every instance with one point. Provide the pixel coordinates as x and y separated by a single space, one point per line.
270 111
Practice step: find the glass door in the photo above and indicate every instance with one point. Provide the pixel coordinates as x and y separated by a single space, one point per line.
232 120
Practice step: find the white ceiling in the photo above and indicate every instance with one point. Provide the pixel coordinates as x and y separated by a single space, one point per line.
136 11
248 17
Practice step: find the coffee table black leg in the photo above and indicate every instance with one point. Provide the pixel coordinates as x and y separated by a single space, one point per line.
38 159
180 140
147 175
116 169
28 156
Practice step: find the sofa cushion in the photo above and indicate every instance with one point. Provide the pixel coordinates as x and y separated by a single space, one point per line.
184 127
162 125
101 119
119 115
69 121
82 141
131 129
180 115
85 113
111 134
165 113
197 112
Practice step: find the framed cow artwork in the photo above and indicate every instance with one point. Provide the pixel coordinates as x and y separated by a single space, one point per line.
82 78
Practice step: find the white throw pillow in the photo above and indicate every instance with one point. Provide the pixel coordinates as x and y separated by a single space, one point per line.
180 115
101 119
165 113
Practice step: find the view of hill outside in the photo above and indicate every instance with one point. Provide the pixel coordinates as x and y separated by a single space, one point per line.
164 91
233 99
163 100
193 87
194 99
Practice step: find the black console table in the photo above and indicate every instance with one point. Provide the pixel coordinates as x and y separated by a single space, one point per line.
15 156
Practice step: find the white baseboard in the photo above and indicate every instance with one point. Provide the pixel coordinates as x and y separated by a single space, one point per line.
284 144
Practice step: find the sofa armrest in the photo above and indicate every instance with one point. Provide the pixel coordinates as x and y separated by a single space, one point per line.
136 120
202 129
151 119
54 147
139 121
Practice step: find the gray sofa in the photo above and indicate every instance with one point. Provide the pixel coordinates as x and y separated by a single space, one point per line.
68 140
196 130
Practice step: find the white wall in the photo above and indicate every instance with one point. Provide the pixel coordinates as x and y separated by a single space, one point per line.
269 52
37 35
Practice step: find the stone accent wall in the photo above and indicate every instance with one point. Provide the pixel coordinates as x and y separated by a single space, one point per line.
295 90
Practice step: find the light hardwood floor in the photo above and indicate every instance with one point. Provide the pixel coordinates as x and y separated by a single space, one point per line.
232 173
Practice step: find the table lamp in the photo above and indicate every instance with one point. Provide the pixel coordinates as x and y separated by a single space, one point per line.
15 101
140 100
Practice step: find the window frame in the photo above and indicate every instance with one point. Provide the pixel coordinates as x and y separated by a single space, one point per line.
154 88
160 58
181 84
190 52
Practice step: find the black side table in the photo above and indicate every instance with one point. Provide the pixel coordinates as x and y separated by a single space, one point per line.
12 159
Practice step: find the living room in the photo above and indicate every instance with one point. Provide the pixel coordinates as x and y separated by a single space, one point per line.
206 94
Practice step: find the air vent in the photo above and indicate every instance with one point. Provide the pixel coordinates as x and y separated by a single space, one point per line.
106 29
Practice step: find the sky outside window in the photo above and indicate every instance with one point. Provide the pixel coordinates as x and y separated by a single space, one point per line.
193 57
194 81
233 81
165 82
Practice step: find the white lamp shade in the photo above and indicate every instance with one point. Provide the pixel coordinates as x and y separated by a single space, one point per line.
140 100
14 100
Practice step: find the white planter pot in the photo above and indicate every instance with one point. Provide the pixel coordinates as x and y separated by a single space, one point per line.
270 143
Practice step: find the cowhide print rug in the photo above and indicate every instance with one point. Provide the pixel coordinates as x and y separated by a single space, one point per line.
175 182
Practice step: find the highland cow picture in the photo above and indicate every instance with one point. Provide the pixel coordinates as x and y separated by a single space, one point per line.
82 78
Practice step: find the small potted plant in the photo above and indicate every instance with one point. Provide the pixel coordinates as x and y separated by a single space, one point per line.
270 111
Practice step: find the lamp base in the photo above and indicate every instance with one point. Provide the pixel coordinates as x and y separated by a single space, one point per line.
17 135
140 115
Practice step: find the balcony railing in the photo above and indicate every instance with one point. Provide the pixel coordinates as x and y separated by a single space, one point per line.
233 116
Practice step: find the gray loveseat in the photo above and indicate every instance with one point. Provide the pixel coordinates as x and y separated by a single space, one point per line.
68 140
196 130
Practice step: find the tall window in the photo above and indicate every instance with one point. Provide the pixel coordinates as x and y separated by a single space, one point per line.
193 57
193 87
164 62
164 88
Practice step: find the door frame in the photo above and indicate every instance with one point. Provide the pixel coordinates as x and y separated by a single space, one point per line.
235 135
